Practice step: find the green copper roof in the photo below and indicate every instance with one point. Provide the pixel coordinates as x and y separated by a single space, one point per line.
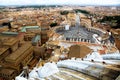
31 27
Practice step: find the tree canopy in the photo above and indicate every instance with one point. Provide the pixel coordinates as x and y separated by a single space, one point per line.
114 21
82 11
64 12
53 24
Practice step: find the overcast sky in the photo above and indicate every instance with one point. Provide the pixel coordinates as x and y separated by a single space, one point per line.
52 2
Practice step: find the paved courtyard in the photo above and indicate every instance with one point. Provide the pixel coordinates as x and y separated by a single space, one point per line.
77 32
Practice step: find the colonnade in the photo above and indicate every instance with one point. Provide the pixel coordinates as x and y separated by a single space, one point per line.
88 28
77 39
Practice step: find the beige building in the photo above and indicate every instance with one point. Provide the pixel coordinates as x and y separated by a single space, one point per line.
21 56
71 17
9 74
10 42
86 22
28 36
13 62
4 51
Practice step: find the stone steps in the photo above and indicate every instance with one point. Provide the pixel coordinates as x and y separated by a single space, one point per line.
51 78
67 74
81 76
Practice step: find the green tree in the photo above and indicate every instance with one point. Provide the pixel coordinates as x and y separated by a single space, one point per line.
64 12
81 11
53 24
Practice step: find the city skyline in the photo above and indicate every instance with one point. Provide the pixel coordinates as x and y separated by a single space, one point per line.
59 2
